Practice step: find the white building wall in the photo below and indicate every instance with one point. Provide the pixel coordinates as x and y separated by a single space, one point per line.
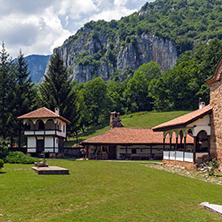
49 141
56 142
31 141
201 124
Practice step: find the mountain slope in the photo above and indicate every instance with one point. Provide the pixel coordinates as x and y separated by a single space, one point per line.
159 32
37 66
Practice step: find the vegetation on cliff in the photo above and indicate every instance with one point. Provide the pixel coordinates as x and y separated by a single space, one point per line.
126 91
106 49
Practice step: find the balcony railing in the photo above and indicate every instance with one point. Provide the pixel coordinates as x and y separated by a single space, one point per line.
45 132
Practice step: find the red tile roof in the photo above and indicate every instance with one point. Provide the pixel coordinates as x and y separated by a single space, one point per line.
43 113
130 136
184 120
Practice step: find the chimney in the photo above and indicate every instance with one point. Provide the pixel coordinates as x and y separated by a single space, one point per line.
57 110
201 105
115 121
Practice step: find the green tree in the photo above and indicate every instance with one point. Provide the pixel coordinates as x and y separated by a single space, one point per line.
136 93
57 90
24 95
115 92
151 70
7 82
96 99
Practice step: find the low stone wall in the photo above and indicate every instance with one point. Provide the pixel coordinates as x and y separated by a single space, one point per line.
186 165
72 152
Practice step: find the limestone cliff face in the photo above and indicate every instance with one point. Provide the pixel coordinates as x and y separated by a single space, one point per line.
148 48
88 55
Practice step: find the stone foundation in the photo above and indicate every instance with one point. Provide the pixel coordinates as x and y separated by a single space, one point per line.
186 165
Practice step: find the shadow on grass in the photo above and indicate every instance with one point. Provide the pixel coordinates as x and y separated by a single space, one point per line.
2 172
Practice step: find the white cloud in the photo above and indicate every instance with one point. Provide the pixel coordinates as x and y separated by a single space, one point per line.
36 27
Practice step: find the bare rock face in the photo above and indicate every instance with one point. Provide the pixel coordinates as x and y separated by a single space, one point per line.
87 56
148 48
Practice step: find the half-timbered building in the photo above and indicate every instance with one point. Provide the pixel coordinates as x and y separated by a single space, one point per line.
45 131
204 125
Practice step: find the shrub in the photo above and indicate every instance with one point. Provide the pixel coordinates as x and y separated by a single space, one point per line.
1 163
212 166
19 157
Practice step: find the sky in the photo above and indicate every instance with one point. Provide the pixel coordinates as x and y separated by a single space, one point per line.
38 26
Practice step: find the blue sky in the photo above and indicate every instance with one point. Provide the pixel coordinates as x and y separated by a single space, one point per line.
38 26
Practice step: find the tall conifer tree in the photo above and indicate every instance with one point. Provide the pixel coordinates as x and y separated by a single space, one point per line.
24 94
57 91
7 81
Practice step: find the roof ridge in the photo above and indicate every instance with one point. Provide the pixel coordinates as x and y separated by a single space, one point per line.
49 110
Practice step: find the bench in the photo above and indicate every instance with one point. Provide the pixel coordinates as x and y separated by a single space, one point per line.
140 155
123 156
158 156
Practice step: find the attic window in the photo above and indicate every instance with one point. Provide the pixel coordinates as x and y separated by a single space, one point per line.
115 114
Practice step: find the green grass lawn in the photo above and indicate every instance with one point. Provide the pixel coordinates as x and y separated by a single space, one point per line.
145 120
103 191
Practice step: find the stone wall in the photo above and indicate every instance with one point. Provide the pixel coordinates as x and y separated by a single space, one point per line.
186 165
216 120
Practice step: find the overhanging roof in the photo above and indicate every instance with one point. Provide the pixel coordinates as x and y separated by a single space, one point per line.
184 120
43 113
130 136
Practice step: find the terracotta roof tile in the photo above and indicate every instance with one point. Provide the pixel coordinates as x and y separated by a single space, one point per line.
130 136
184 120
43 113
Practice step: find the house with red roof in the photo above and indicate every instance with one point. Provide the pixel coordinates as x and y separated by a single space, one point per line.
204 125
128 143
45 131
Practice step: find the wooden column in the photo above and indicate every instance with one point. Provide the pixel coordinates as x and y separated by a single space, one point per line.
163 143
170 142
176 143
126 153
151 152
208 145
54 144
184 148
194 149
170 145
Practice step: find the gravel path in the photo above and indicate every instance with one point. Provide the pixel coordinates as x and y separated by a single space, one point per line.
200 175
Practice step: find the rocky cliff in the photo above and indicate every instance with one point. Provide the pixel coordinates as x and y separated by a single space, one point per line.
88 56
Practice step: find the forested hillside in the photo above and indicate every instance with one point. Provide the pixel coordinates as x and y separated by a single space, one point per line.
159 32
117 65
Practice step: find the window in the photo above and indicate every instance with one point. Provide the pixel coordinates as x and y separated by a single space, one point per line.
64 128
104 149
133 150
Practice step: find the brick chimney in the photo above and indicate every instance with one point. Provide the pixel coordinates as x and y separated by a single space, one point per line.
201 105
115 121
57 110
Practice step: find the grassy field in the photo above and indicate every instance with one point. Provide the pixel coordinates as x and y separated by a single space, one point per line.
103 191
136 120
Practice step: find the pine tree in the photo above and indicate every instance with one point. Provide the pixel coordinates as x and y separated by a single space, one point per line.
57 90
24 94
7 81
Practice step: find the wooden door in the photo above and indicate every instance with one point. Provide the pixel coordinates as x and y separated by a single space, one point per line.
112 152
40 146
